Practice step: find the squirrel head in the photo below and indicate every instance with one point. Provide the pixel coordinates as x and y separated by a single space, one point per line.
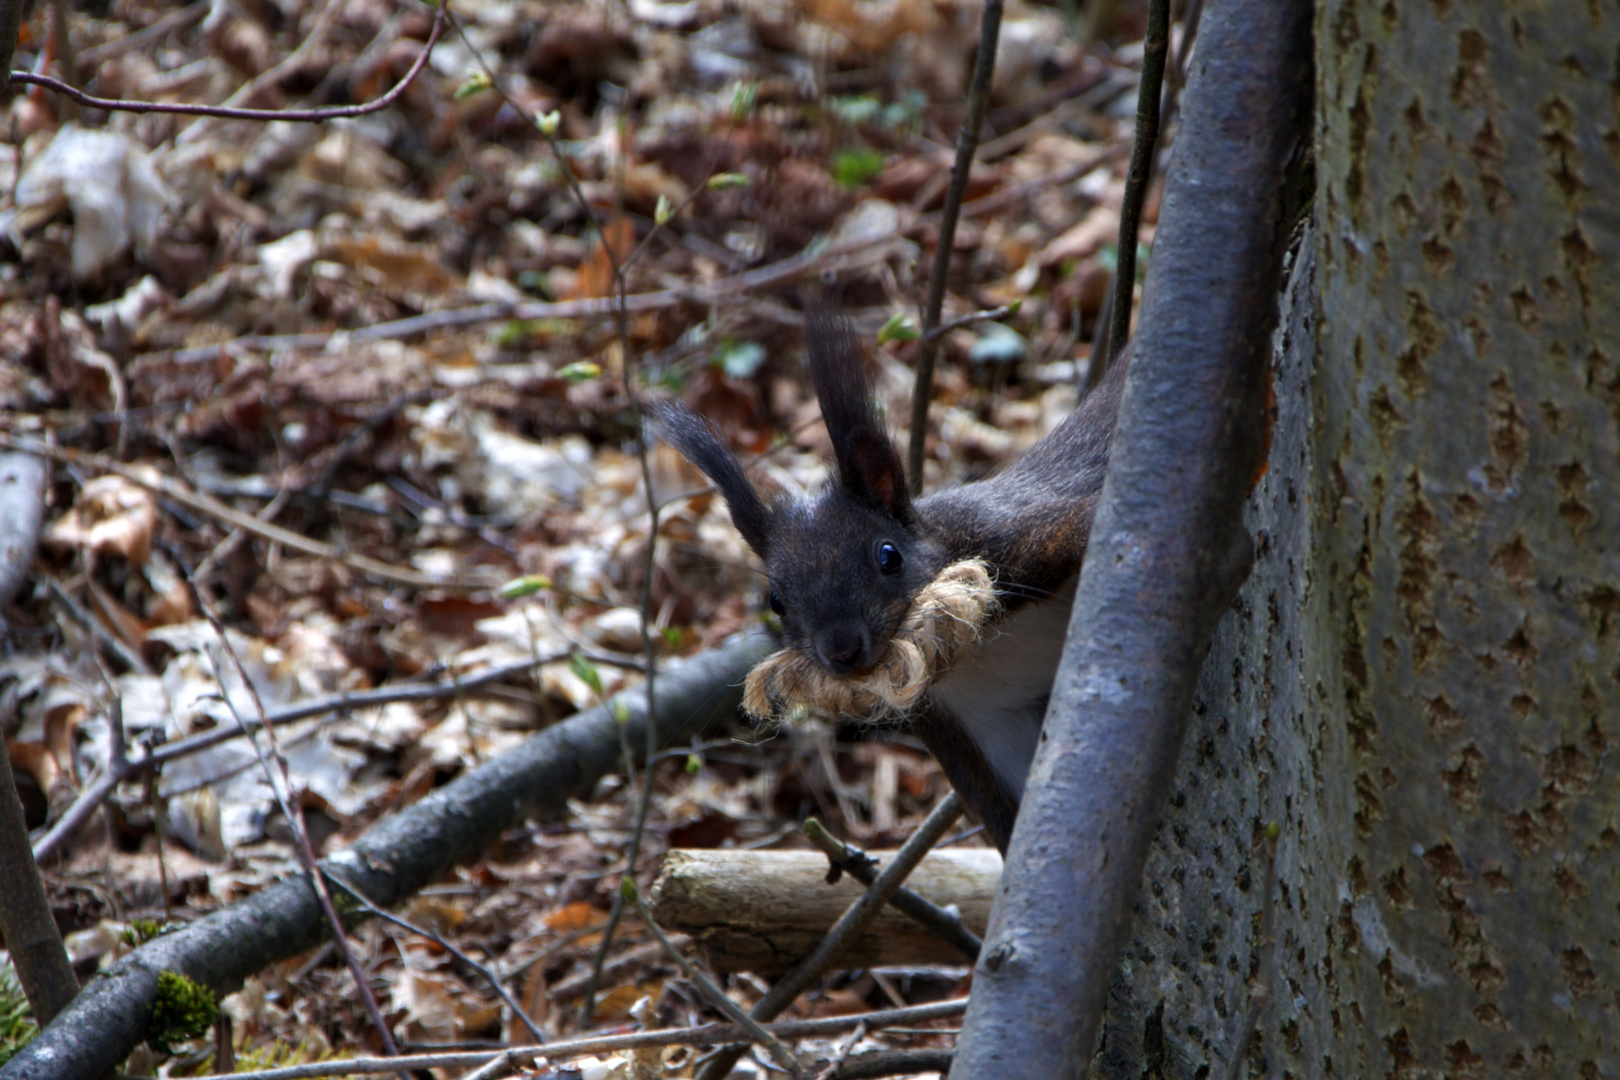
846 564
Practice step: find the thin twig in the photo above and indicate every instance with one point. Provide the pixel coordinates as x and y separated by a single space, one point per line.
1116 328
854 918
843 1053
840 256
101 635
279 778
308 116
778 1050
972 318
967 141
859 865
104 785
488 975
528 1056
93 58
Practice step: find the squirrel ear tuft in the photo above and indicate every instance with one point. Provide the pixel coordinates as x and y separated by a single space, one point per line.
689 433
868 465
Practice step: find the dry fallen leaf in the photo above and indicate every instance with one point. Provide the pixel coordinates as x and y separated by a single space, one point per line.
112 516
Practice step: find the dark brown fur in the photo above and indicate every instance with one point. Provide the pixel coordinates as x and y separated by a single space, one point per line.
845 565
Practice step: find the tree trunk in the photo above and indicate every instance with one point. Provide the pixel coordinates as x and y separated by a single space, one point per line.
1421 681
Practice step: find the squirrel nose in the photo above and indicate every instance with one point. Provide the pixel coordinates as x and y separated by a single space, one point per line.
841 647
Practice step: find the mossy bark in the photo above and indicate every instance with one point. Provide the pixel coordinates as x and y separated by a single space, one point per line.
1421 681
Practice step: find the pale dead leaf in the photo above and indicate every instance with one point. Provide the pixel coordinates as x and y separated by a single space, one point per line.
112 516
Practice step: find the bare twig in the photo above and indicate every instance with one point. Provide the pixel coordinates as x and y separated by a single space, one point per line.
31 935
843 1053
104 785
859 865
222 112
973 318
854 918
967 141
393 859
1115 327
93 58
837 257
488 975
279 776
90 799
99 633
528 1056
717 996
37 953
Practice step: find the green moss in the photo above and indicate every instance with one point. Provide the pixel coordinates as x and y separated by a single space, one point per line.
140 931
16 1019
184 1010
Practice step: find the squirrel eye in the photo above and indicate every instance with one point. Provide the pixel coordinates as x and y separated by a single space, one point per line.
776 604
889 560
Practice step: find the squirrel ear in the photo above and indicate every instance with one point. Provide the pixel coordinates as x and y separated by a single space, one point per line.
691 435
868 465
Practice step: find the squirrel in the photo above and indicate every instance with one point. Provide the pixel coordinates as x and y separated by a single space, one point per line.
862 568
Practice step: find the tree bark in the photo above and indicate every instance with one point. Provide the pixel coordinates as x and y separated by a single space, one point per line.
1421 681
1165 557
397 857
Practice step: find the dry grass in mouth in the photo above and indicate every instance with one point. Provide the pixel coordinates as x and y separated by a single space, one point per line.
948 614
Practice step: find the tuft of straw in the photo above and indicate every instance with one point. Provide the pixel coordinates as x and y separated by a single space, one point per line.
948 614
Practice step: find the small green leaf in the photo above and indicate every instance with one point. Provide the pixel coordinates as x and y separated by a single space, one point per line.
579 371
900 327
1273 830
548 122
476 83
527 585
663 211
1013 308
744 95
621 711
726 181
694 763
586 671
627 888
856 166
671 635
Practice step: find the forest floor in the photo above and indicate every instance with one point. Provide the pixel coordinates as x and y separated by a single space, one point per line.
387 334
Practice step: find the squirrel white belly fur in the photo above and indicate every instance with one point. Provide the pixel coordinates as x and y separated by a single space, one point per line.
854 569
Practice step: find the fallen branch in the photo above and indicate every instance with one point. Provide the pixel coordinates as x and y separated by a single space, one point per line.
863 868
390 862
762 911
854 919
